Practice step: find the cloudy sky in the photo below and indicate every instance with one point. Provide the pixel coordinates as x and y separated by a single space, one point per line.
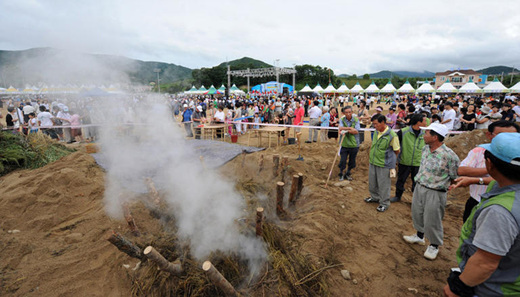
347 36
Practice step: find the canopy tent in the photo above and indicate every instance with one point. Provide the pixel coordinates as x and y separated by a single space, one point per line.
12 90
318 89
343 88
515 88
330 89
236 91
426 88
306 89
357 88
447 87
469 87
372 88
222 89
95 92
388 88
406 88
212 91
495 87
193 90
202 90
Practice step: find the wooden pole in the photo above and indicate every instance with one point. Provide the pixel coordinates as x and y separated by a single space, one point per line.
279 199
173 268
294 189
259 221
276 162
130 220
125 245
261 163
300 185
155 199
285 163
243 158
218 279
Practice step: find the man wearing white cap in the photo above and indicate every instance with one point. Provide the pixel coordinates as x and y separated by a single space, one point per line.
439 165
489 251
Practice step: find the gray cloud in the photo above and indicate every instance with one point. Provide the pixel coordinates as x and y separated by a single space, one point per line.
348 36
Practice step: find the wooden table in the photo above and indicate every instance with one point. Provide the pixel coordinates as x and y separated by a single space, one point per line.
212 129
269 130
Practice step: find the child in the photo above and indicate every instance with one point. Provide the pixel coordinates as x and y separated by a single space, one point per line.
257 120
33 123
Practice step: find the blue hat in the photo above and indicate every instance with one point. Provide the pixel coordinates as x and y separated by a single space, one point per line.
506 147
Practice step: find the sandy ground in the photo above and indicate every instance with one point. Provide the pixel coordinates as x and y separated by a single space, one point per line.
61 247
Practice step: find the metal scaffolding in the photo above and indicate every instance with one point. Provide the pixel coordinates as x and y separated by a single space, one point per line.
261 72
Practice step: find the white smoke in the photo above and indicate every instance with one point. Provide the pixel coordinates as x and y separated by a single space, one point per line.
204 204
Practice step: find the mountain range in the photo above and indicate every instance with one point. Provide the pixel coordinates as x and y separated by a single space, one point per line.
38 66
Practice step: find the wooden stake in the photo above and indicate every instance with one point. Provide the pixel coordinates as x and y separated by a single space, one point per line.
279 199
243 158
130 220
218 279
294 189
261 163
276 162
125 245
300 185
285 163
155 199
174 268
259 221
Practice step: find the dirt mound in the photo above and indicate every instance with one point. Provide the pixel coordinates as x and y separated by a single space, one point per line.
61 249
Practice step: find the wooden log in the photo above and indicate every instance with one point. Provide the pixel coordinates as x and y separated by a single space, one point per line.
294 189
174 268
300 185
218 279
259 221
261 163
155 198
130 220
125 245
276 163
243 158
283 169
279 199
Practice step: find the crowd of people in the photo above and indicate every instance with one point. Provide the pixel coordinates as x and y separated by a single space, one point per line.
407 141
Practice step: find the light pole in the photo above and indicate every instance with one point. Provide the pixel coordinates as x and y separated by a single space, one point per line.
157 70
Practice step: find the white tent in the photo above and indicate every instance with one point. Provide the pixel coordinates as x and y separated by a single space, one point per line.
447 87
357 88
330 89
343 88
495 87
306 89
236 91
406 88
318 89
388 88
469 87
425 88
372 88
515 88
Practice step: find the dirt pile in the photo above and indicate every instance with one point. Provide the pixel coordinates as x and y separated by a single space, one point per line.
61 247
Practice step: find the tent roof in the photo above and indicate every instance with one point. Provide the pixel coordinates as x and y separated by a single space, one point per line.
425 88
469 87
222 88
388 88
234 88
330 89
372 88
318 88
357 88
515 88
447 87
406 88
343 88
203 89
495 87
306 88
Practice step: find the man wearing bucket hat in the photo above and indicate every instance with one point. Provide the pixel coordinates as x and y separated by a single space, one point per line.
438 168
489 251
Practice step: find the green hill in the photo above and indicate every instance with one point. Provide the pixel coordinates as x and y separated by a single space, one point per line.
245 61
52 66
497 70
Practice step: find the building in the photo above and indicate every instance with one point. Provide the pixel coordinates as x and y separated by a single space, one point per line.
458 77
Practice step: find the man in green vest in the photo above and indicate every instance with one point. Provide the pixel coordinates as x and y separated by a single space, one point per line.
489 251
349 128
383 157
412 143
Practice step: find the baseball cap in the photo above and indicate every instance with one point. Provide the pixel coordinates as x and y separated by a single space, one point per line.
379 109
199 108
438 128
506 147
185 105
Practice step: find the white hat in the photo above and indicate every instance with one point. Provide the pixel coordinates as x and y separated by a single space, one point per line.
440 129
185 105
199 108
